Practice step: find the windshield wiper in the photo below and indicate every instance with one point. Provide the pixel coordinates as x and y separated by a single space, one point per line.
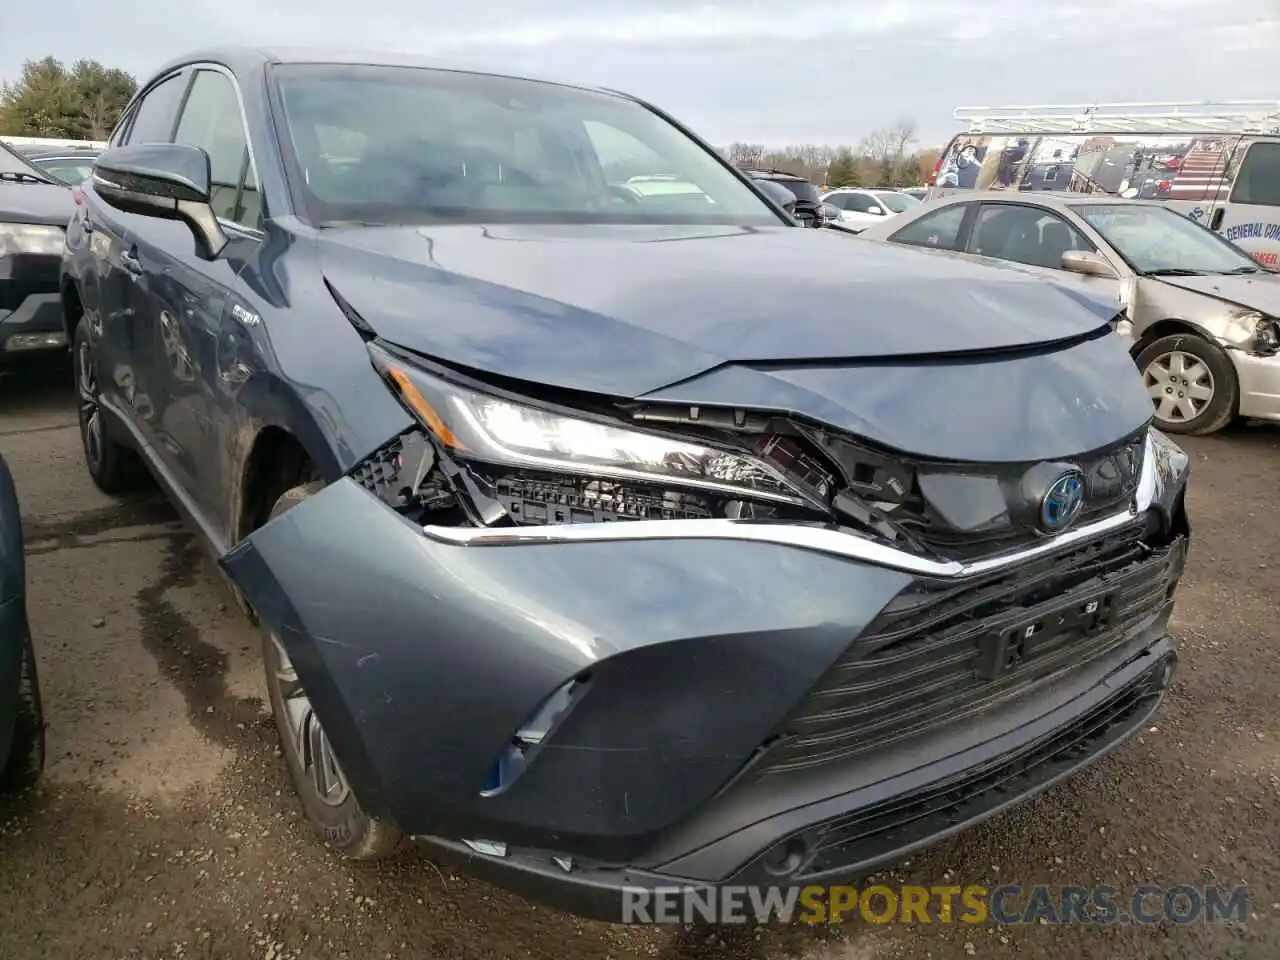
1236 271
20 176
1173 272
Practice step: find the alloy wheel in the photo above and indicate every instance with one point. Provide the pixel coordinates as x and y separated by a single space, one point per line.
1180 386
307 739
89 409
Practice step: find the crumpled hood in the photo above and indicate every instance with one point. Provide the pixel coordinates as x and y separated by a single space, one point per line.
625 310
1259 291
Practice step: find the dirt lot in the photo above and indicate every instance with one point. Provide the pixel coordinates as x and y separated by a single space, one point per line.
165 827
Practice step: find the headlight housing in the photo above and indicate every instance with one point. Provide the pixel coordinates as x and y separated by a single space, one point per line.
1266 336
30 238
481 427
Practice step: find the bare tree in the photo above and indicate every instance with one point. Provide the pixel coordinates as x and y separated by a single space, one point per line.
745 154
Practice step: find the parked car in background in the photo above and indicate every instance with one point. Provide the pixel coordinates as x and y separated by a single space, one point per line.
71 167
915 193
808 210
1201 313
586 551
34 210
861 208
21 714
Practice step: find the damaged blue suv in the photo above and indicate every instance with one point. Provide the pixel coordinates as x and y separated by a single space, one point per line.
585 551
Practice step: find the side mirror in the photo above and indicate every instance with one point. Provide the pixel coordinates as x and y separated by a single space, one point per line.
1088 264
170 181
878 211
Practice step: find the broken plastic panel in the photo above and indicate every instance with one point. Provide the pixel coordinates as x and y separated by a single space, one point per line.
531 735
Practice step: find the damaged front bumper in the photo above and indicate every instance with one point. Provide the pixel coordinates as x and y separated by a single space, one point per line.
733 702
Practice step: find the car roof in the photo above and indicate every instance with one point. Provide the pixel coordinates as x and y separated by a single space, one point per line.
1040 198
251 59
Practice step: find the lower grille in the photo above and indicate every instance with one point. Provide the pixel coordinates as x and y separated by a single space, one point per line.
898 824
942 651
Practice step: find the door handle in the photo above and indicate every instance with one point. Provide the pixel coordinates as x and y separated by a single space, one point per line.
1215 221
129 260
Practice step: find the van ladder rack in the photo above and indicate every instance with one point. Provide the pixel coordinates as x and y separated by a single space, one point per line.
1237 117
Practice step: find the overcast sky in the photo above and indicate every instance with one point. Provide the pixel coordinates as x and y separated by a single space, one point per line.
766 72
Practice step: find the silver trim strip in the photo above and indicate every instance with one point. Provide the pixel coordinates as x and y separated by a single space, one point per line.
827 540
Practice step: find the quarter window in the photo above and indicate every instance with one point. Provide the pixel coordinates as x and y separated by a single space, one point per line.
939 230
211 119
1258 182
153 118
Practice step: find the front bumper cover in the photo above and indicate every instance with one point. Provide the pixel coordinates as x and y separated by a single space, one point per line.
423 656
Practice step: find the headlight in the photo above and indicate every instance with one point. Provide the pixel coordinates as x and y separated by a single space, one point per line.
1266 336
481 427
30 238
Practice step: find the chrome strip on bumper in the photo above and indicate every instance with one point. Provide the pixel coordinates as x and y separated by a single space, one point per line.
839 543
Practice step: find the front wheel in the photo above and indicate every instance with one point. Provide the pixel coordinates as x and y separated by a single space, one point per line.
322 786
1191 382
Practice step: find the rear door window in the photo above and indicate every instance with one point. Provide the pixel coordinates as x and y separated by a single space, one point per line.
940 230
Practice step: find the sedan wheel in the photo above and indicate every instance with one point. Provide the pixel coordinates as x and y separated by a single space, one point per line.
1191 382
1180 386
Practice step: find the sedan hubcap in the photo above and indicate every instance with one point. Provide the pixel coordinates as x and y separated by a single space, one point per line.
306 736
90 414
1180 386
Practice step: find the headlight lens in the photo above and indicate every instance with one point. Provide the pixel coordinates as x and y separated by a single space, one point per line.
481 427
30 238
1266 336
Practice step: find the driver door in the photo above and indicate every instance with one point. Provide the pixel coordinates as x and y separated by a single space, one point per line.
1038 237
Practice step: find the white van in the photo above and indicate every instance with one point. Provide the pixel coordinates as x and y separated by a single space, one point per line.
1219 163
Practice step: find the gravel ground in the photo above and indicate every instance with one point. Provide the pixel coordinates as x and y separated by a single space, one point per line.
165 826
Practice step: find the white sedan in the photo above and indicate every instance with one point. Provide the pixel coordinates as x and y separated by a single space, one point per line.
861 208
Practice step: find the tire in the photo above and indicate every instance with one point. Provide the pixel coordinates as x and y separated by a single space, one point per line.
25 762
1196 381
113 467
339 820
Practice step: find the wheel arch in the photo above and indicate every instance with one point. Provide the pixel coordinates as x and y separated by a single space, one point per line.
72 305
1167 327
276 441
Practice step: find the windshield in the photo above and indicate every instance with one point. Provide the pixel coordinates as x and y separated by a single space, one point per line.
1154 239
376 144
897 202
